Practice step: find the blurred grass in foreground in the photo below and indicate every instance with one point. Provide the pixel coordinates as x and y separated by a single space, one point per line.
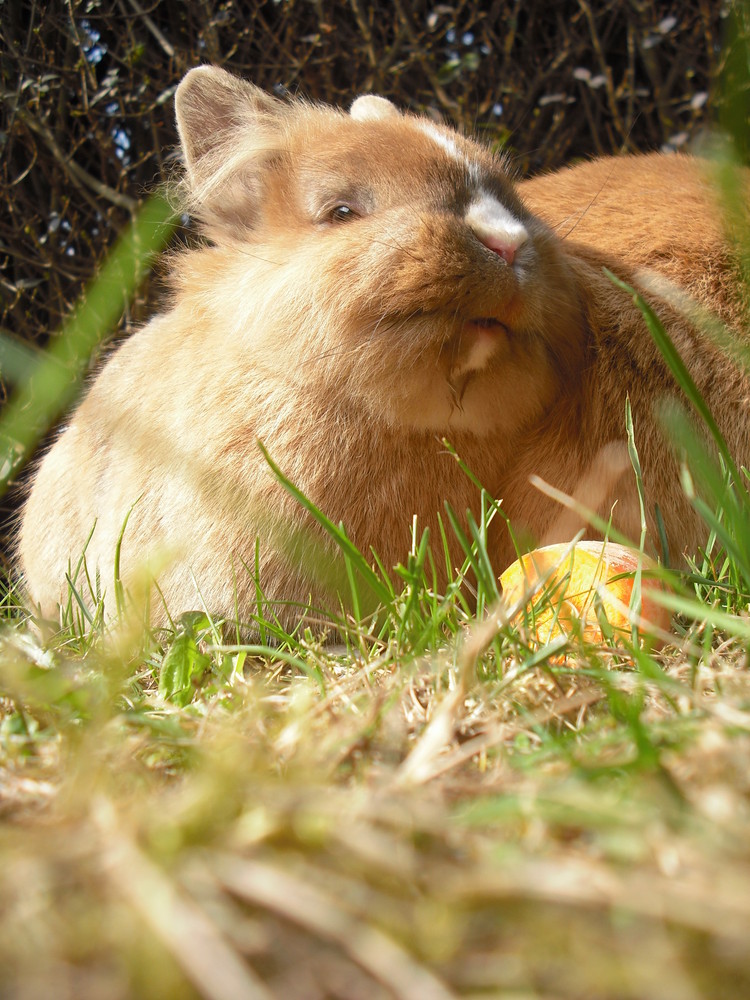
47 381
436 808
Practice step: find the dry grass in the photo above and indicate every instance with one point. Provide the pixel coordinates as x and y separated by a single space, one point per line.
415 829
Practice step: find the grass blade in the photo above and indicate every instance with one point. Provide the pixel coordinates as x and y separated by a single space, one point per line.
56 376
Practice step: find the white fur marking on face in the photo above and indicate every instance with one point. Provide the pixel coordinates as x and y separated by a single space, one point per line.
444 141
490 219
450 146
474 172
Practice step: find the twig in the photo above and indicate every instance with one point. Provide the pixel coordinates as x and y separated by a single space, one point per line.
165 44
76 173
606 72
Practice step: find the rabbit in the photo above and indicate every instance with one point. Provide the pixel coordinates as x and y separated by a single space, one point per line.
373 284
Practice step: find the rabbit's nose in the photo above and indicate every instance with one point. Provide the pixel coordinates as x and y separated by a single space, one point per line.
496 227
502 246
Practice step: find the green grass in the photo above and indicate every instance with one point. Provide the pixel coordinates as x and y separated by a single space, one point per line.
435 806
475 816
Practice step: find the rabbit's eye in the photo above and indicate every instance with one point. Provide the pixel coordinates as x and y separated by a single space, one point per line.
342 213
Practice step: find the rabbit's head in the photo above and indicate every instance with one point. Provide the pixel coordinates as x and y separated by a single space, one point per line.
378 255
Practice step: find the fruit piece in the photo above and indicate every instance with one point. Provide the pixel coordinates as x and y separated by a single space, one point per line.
579 578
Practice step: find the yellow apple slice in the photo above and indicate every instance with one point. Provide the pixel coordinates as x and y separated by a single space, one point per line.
579 578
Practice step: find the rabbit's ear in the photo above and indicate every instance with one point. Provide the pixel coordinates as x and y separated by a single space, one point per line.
215 109
227 129
369 107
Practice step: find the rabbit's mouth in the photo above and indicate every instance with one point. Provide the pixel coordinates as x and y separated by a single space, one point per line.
474 344
484 324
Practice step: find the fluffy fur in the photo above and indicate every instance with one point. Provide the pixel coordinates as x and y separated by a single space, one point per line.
347 315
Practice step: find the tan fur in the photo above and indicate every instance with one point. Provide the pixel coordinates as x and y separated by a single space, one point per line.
350 349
